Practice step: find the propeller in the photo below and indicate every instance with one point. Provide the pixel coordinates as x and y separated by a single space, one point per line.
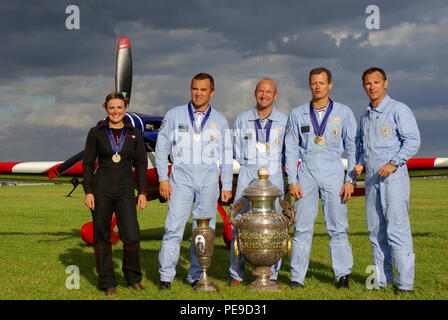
123 67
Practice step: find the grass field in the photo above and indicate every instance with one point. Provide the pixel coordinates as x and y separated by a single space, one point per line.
39 238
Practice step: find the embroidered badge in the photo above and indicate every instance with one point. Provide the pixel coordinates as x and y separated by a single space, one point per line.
212 137
385 131
213 125
335 133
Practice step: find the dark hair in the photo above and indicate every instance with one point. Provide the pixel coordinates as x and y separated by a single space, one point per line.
372 70
319 71
115 95
203 76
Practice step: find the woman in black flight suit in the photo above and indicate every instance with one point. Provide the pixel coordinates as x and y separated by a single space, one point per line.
118 146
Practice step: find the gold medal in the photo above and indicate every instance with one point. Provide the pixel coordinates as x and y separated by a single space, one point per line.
319 140
116 158
197 137
261 147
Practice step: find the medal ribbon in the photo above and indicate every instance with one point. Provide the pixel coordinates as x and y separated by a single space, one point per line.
193 120
319 129
267 130
115 147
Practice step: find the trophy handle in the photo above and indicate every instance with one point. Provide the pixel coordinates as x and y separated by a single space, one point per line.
235 209
287 245
289 211
236 252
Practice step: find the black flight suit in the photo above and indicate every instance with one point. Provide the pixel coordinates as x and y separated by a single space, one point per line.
113 188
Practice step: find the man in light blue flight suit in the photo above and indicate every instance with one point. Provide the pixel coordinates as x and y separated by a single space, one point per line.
194 136
258 142
318 133
388 137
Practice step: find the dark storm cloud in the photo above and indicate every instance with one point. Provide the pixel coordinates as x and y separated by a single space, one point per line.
54 78
37 42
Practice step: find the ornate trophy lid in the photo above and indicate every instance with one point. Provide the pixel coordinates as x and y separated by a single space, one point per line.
262 187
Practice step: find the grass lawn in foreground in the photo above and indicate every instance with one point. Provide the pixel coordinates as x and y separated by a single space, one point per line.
39 239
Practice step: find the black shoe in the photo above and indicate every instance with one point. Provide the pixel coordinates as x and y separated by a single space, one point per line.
295 285
343 282
400 291
164 285
193 284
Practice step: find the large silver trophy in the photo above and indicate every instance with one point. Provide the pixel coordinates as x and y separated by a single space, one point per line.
262 232
203 237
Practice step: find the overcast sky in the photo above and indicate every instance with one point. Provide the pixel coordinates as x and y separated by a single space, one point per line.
53 80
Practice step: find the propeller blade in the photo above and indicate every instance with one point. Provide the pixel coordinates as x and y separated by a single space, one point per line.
65 165
123 67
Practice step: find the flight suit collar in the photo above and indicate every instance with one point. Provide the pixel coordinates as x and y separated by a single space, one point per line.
382 106
274 116
307 110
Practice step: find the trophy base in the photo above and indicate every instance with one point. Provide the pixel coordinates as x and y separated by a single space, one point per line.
263 283
209 286
205 284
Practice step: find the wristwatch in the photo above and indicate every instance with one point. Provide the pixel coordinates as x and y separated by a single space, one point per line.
353 181
394 163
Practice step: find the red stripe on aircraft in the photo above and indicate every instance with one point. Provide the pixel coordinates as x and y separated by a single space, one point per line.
6 167
77 169
420 163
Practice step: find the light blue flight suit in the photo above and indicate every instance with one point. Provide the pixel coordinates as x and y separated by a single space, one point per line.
194 178
389 132
321 173
251 160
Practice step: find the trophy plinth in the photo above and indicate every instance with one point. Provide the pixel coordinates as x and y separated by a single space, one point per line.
203 238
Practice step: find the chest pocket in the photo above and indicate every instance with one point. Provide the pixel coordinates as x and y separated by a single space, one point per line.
181 139
276 138
211 145
334 135
305 133
384 134
248 145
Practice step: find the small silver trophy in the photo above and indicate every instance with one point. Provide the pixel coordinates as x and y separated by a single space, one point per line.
203 237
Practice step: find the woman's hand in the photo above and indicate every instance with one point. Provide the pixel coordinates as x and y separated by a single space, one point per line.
90 201
141 201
